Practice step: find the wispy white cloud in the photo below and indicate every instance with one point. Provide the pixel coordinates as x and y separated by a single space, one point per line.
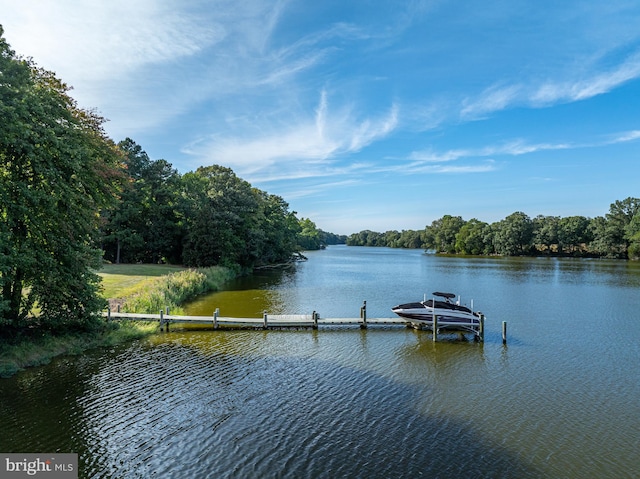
625 137
302 148
91 40
512 148
581 85
581 89
494 98
484 167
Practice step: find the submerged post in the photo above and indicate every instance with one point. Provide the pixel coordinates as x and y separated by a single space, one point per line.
363 316
504 332
215 318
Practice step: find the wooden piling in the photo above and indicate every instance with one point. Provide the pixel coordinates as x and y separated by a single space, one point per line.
162 320
264 318
363 316
434 326
215 318
504 332
482 328
315 320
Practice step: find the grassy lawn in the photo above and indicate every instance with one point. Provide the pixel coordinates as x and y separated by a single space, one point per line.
120 280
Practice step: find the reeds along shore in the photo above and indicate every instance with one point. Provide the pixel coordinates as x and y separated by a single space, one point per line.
170 290
173 290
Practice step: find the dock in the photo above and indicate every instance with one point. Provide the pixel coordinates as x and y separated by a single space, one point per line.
298 321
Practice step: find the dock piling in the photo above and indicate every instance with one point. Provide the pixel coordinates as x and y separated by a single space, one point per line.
363 316
435 321
215 318
264 318
504 332
315 320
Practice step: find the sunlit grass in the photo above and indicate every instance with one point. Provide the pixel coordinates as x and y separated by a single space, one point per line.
171 291
121 280
139 288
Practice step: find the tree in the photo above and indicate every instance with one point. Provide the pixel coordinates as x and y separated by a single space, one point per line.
220 208
620 215
309 235
57 169
441 235
275 236
546 232
470 238
632 235
573 233
513 235
610 235
145 224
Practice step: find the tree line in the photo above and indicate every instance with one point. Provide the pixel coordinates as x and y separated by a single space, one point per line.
70 198
202 218
615 235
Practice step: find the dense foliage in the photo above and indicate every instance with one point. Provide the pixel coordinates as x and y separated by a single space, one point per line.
616 235
70 197
203 218
57 169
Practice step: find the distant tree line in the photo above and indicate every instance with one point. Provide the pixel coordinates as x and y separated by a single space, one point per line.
202 218
615 235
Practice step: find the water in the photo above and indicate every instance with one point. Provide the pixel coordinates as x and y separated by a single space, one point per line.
561 400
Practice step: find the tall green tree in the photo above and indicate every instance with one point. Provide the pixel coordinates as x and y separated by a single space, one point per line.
272 237
219 211
513 235
610 235
632 235
573 233
470 237
546 230
145 225
441 234
57 169
309 235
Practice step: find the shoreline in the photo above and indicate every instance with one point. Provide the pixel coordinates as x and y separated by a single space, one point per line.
146 292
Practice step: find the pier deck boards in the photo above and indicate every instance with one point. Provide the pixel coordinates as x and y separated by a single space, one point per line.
272 320
279 321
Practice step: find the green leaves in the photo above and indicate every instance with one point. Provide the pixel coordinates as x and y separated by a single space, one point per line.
56 172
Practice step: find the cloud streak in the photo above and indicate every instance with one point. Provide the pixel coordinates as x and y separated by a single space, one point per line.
499 97
302 148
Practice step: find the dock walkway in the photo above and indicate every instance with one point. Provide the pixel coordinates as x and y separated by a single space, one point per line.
283 321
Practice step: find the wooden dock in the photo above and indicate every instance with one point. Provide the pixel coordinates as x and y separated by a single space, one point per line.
283 321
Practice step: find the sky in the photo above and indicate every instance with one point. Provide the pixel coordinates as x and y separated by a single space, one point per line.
365 114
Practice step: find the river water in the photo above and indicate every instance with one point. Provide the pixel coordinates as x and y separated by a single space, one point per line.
560 400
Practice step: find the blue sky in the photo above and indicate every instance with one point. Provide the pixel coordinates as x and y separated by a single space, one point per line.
365 114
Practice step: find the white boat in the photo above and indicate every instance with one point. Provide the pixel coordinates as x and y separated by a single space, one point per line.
446 313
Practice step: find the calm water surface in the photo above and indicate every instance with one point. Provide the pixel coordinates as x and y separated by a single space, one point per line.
561 400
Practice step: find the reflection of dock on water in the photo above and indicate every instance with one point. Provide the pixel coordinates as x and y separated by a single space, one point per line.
283 321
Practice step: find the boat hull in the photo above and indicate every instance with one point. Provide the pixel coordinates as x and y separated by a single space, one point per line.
446 317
